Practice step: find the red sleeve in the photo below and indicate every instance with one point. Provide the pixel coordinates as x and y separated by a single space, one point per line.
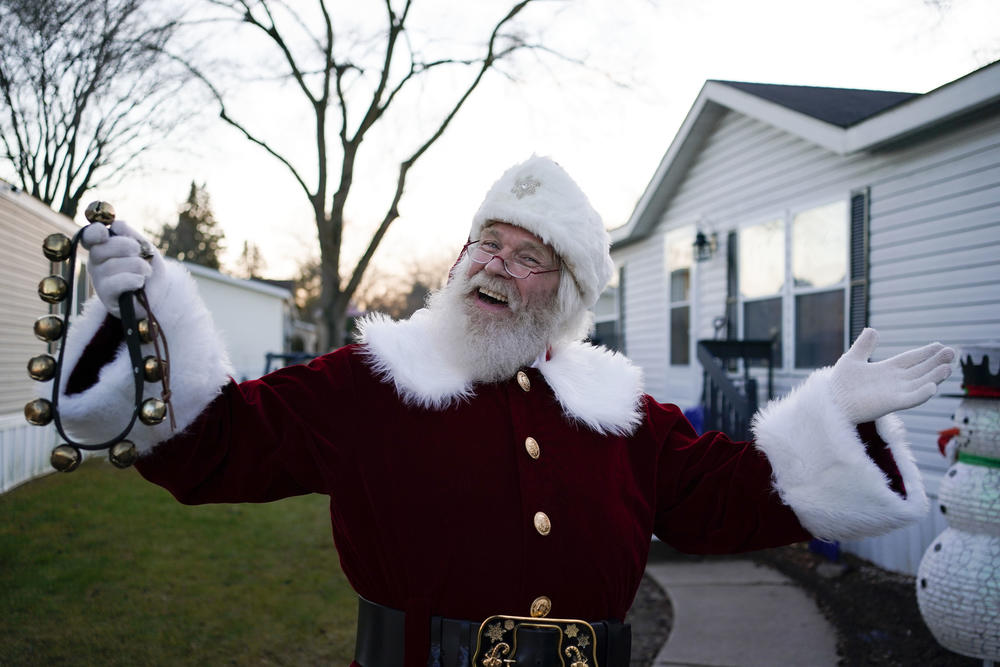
715 495
879 452
265 439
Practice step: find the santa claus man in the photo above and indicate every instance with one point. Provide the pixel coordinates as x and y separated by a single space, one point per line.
494 482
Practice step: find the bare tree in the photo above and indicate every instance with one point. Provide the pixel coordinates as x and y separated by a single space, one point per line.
398 292
403 291
86 88
331 79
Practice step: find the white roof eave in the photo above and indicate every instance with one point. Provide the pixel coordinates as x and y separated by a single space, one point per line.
959 97
250 285
972 92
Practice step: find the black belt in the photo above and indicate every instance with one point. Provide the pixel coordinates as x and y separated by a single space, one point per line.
381 632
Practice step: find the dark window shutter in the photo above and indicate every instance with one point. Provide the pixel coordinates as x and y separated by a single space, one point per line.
621 310
732 288
859 263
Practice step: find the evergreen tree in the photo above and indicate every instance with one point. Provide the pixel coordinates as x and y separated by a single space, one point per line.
196 237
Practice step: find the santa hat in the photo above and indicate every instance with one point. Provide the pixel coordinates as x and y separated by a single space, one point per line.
539 196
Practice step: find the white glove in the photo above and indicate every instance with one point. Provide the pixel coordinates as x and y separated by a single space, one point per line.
122 263
866 391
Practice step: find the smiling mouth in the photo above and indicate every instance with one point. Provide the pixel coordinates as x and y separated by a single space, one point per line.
491 297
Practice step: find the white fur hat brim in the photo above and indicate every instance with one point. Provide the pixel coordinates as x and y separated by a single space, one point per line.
540 197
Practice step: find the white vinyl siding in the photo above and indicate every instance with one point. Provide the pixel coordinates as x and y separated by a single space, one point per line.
934 258
24 224
249 316
935 261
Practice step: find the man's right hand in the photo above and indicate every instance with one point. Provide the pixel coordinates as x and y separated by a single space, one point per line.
125 262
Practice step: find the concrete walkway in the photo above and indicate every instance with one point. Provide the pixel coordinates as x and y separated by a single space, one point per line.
735 613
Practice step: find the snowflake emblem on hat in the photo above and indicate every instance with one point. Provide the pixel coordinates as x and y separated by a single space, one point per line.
572 630
525 186
583 641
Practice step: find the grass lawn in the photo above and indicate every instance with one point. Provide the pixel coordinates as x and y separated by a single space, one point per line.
99 567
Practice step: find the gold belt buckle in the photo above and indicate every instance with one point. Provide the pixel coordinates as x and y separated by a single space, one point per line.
496 642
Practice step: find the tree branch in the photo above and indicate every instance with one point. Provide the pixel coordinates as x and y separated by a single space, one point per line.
224 115
272 32
393 212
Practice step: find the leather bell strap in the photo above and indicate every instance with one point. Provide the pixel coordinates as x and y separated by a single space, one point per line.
381 632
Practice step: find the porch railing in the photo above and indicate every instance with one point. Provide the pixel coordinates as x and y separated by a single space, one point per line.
730 399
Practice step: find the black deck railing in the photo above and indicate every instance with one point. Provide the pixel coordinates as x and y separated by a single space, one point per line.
730 399
278 359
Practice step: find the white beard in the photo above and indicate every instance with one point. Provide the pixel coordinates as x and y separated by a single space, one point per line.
491 347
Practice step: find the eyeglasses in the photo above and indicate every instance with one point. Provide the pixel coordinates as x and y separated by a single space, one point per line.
514 267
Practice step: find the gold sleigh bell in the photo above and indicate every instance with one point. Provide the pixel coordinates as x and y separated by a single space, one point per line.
56 247
54 289
42 368
49 328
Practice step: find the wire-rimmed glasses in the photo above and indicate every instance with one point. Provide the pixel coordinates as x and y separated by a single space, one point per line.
513 267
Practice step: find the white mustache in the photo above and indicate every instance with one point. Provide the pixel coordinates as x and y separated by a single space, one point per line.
495 287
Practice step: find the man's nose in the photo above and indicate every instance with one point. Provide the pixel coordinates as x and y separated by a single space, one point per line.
496 267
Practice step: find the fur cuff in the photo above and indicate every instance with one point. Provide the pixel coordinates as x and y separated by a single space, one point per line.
821 469
199 368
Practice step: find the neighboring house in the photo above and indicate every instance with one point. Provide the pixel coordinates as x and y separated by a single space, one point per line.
253 317
819 211
24 224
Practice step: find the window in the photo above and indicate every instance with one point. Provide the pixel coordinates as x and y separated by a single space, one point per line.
761 281
792 274
819 270
679 259
609 314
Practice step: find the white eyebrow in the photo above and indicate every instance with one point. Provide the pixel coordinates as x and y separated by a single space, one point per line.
527 243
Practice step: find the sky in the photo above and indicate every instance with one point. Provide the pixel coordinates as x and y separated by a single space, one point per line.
608 122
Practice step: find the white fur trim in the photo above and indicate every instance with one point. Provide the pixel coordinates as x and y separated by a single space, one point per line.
407 354
600 389
199 367
821 469
555 209
596 386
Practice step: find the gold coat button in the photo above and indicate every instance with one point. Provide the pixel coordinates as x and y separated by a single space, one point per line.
542 523
522 379
540 607
530 444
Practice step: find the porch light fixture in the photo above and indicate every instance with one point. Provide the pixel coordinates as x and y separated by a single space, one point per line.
705 246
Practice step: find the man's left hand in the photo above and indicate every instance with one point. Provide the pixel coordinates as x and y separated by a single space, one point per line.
866 391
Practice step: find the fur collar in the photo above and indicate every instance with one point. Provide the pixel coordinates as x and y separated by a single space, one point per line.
596 387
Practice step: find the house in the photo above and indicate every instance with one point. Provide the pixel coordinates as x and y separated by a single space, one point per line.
799 215
253 317
24 224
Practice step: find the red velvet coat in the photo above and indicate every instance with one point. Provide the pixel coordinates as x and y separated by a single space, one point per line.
433 511
433 493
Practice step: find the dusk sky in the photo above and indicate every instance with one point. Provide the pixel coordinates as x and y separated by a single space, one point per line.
608 123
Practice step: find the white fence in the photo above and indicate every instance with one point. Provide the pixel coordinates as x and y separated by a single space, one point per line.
24 450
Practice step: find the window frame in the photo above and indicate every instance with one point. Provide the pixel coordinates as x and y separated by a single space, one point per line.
682 236
616 287
789 291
